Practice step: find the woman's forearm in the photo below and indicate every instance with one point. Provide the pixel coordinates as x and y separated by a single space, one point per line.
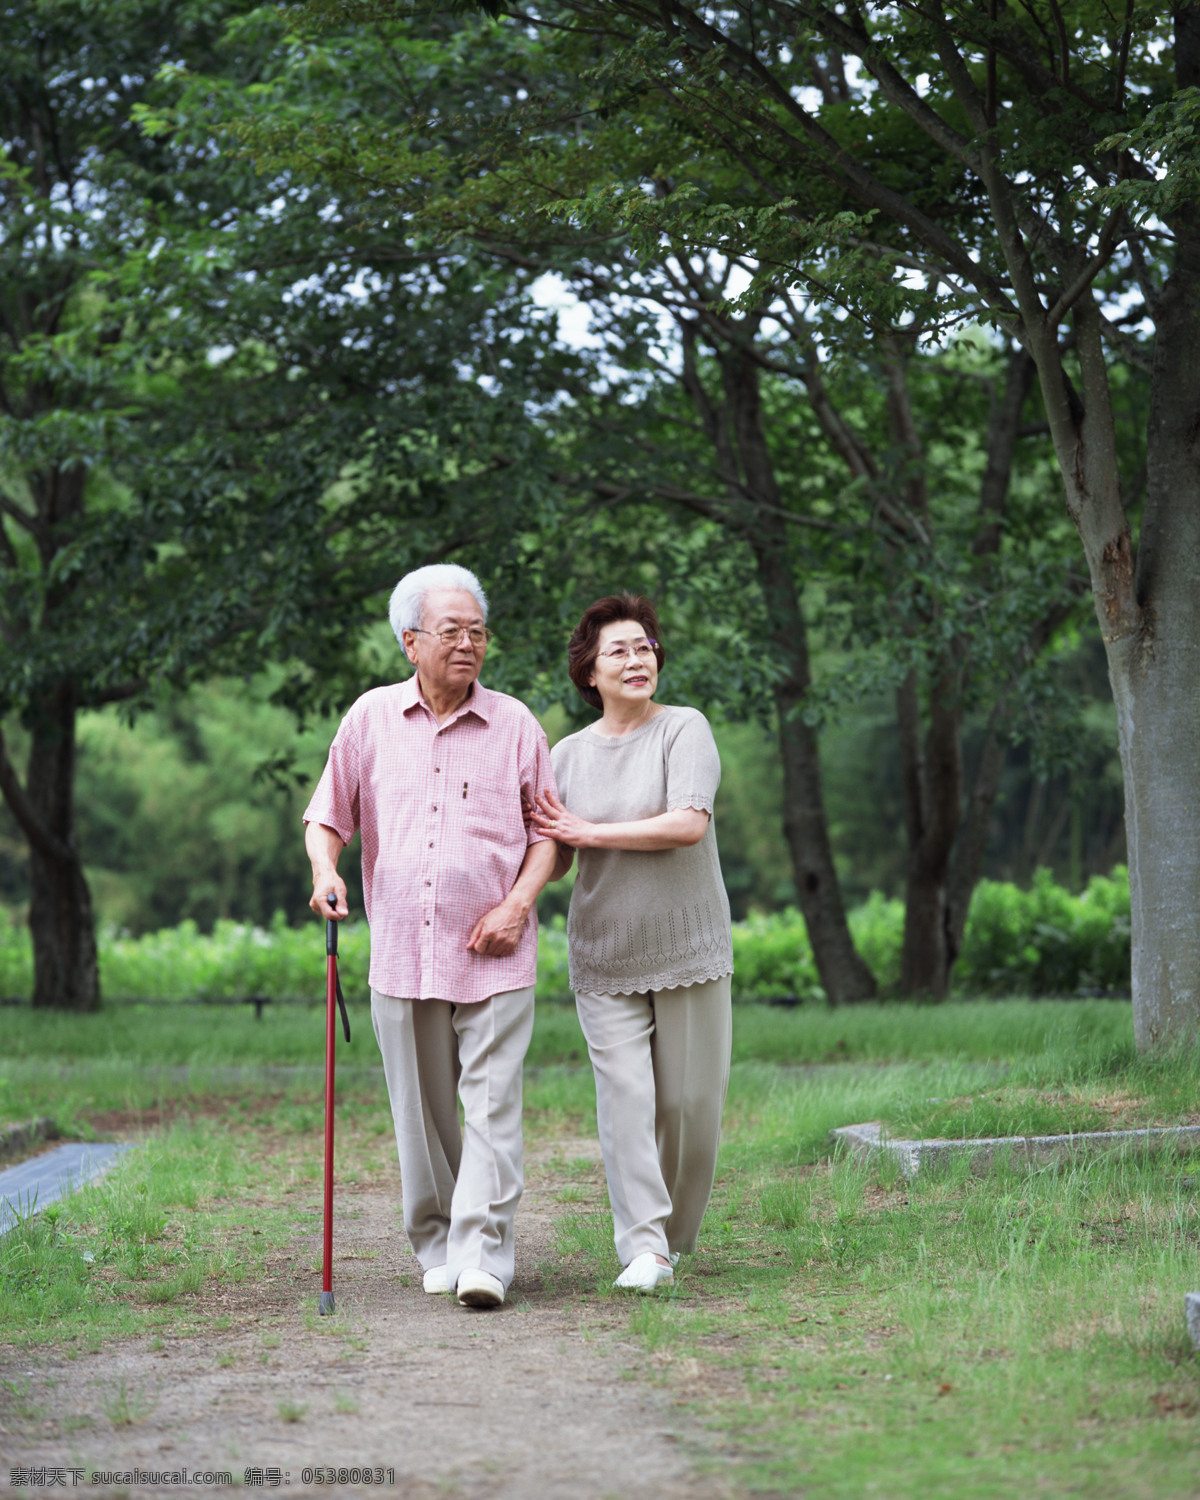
678 829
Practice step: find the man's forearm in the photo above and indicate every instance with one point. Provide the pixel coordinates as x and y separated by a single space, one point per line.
536 870
322 845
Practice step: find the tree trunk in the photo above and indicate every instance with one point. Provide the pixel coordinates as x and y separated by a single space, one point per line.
933 792
754 509
972 838
1155 679
843 973
65 965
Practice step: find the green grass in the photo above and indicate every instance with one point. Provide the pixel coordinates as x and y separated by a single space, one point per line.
975 1030
129 1057
844 1332
115 1257
220 1035
852 1333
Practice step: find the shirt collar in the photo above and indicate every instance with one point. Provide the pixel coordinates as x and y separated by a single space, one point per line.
479 702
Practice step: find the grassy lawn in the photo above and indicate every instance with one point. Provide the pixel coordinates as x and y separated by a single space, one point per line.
850 1332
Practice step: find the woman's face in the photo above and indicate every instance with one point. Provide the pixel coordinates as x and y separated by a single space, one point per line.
619 676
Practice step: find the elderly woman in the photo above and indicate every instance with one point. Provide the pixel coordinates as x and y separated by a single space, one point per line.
649 938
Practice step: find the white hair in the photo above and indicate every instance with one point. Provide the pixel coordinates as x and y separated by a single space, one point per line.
408 597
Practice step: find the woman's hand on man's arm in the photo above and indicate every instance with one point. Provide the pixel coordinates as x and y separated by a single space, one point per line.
677 829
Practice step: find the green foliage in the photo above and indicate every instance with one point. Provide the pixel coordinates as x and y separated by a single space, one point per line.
233 411
194 811
1168 139
1043 941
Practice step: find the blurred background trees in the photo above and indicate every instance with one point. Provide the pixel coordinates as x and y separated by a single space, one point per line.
338 361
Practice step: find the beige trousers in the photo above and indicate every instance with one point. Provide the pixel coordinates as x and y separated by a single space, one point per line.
460 1185
661 1061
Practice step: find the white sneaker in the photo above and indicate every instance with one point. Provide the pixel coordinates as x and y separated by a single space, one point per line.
644 1274
435 1280
480 1289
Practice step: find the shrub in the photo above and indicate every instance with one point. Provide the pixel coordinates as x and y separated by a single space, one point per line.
772 956
16 958
1043 941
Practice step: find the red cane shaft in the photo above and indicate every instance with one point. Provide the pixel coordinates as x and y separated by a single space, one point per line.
330 1005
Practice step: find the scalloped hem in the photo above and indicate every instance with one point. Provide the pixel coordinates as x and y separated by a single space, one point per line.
668 981
695 804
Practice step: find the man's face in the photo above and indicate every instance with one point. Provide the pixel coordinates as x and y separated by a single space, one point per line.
446 668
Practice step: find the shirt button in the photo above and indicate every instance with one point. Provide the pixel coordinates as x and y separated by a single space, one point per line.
429 882
435 807
427 921
437 769
431 846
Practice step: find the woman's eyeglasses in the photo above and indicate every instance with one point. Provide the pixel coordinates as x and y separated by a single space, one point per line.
622 652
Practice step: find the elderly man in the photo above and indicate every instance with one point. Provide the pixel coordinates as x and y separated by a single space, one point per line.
434 771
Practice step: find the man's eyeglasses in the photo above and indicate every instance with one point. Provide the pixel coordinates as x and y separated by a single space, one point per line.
623 652
478 635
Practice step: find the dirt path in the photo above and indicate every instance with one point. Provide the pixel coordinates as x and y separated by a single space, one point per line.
531 1402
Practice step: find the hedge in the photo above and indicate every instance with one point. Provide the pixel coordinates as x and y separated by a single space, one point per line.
1040 941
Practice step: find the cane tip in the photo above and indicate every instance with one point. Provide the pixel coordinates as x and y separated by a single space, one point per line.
326 1303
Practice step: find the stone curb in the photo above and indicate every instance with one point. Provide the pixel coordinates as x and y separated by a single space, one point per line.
16 1138
869 1140
1191 1308
33 1185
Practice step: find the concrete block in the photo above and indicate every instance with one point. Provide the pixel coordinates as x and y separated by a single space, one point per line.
1191 1307
17 1138
870 1141
35 1184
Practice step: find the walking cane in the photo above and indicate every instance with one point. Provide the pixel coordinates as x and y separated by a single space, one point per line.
333 992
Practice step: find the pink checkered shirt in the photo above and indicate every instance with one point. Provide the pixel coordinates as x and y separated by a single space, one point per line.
443 837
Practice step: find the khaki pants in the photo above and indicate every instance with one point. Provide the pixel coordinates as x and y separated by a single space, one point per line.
460 1186
661 1061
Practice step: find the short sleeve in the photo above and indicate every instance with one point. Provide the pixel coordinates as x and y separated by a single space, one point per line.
335 801
693 766
537 777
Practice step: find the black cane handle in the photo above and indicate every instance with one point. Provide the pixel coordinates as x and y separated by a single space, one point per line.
331 929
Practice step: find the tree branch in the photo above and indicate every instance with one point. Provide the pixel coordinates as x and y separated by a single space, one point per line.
39 836
706 505
834 159
1004 430
1123 57
21 517
1105 246
119 692
897 90
1064 47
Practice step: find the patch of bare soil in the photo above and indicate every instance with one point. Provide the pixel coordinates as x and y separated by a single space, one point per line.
538 1400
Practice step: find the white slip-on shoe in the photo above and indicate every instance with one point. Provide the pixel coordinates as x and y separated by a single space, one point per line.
479 1289
644 1274
435 1280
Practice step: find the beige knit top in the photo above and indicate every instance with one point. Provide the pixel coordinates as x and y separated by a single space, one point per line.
645 919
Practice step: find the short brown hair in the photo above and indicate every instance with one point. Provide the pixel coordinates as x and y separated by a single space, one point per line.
584 645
